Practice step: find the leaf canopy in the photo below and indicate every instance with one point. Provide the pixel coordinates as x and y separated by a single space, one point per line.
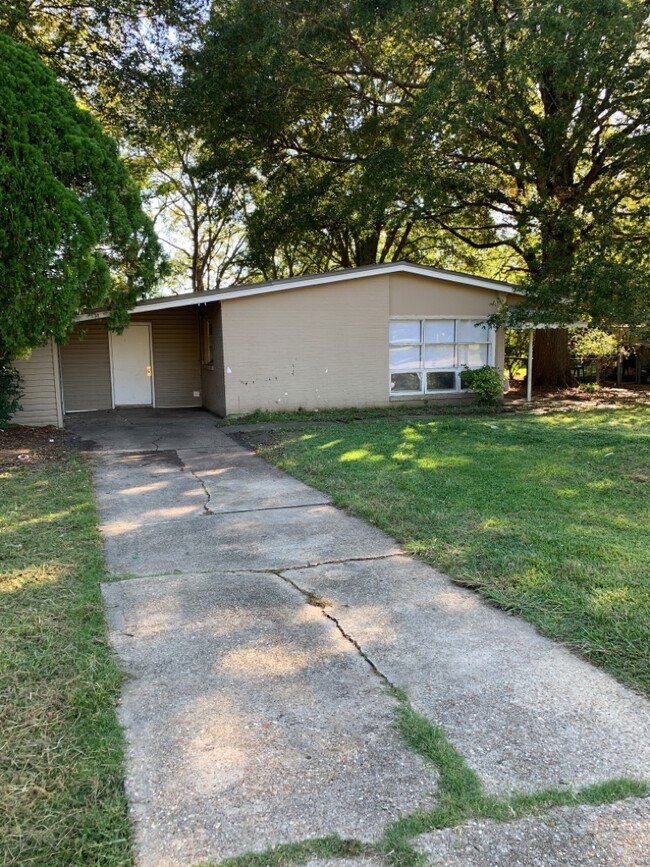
73 234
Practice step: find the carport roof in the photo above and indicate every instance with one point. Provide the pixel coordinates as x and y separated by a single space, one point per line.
245 290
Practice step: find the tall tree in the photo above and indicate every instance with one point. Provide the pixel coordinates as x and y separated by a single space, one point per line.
198 213
513 124
73 234
121 59
87 41
325 156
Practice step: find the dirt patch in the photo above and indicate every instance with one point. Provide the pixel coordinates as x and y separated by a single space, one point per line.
554 400
33 445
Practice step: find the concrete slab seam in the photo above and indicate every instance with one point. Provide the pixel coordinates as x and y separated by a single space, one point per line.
115 579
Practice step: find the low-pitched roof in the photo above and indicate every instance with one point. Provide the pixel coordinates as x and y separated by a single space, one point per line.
249 289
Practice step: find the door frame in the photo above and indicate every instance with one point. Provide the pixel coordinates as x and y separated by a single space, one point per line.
153 372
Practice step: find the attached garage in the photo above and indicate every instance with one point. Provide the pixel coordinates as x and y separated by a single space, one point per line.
363 337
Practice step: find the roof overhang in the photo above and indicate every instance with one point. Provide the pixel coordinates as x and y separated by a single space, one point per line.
249 290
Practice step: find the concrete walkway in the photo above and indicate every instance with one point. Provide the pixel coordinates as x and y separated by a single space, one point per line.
260 629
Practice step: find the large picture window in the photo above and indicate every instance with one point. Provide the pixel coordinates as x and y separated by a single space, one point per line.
427 356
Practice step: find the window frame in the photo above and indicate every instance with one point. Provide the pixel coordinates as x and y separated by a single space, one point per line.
422 371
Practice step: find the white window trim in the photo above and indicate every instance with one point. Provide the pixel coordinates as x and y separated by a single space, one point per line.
491 344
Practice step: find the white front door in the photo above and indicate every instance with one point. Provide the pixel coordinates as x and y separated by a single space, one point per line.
131 362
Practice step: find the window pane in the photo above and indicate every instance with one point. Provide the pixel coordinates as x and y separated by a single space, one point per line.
405 357
473 354
439 331
405 382
405 332
469 331
439 357
441 381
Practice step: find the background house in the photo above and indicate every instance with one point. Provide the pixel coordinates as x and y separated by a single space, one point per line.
362 337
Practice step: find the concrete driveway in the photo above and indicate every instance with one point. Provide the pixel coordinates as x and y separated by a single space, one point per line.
262 630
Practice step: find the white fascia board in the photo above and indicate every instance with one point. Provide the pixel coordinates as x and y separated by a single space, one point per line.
250 290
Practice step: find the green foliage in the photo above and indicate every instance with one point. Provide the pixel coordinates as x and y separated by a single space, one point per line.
590 344
93 47
327 161
371 129
594 348
73 234
516 346
486 384
10 391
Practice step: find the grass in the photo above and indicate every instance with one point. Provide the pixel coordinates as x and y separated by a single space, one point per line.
61 751
351 414
547 516
460 798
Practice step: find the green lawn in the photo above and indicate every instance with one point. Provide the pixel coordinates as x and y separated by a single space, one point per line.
546 515
61 798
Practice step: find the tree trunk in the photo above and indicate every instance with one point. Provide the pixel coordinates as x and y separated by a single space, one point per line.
551 359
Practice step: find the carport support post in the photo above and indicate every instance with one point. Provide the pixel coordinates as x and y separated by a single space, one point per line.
529 370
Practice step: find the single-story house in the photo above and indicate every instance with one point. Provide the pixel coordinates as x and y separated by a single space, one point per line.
366 336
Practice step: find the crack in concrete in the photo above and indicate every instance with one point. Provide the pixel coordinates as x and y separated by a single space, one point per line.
251 570
334 562
272 508
309 596
208 496
125 419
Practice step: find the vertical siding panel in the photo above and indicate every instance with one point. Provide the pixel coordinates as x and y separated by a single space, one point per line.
39 401
86 369
176 356
212 375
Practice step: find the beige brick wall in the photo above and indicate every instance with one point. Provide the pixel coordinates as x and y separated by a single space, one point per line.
411 295
327 345
315 347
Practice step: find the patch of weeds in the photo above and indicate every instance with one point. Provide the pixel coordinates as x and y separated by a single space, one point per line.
297 853
461 796
316 600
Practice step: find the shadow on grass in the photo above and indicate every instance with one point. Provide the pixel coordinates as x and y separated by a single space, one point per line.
61 750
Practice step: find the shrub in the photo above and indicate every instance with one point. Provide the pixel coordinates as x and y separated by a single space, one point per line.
10 391
593 348
486 384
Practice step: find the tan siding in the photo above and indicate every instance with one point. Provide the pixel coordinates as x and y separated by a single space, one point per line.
212 377
40 405
411 295
313 347
176 361
85 369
